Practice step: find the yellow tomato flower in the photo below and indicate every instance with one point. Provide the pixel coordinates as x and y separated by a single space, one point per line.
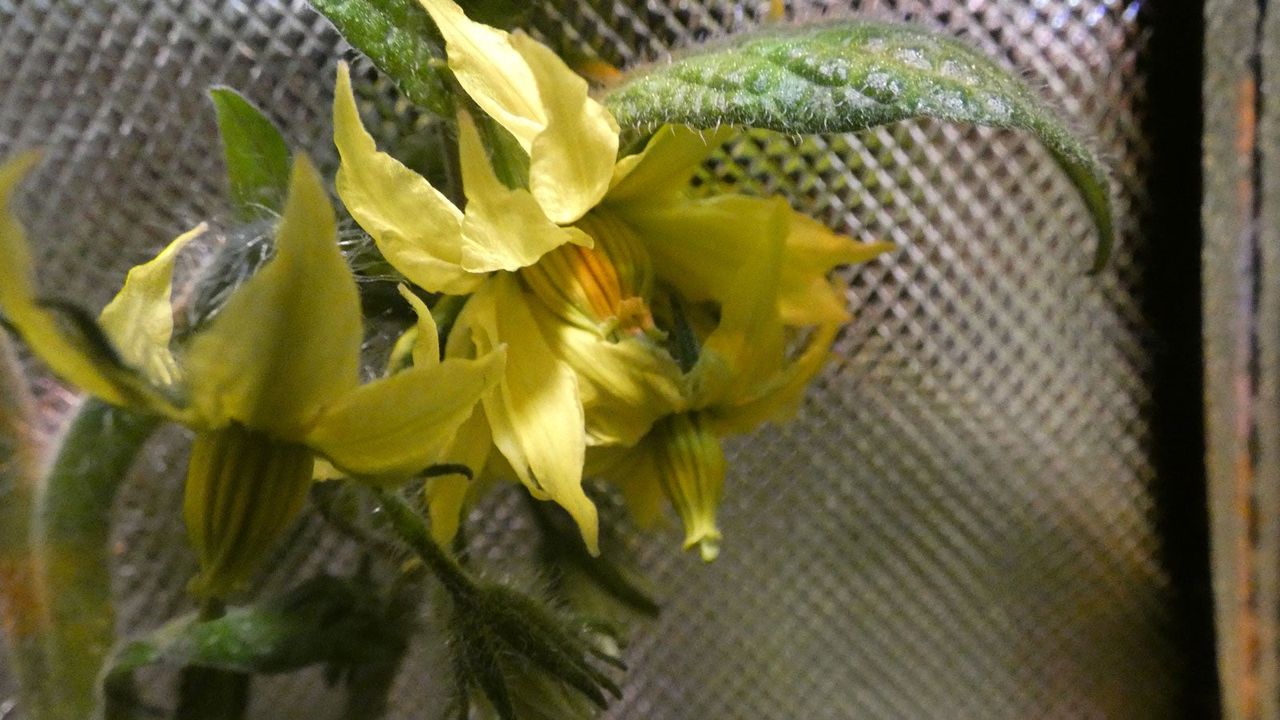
269 384
741 378
588 238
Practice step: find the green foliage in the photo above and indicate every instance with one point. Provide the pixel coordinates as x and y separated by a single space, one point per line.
400 39
326 620
256 155
850 76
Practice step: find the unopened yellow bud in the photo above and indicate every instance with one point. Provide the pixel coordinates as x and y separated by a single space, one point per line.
244 489
691 465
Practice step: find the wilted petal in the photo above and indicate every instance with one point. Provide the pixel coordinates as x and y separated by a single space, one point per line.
139 320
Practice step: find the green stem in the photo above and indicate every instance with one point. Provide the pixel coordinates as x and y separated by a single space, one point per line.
55 539
210 693
408 524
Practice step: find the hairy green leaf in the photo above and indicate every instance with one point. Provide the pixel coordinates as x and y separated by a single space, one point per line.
399 37
850 76
256 155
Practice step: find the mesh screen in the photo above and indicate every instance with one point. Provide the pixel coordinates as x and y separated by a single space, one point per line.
958 525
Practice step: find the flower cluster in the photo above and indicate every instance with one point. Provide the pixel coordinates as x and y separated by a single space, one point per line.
613 324
642 323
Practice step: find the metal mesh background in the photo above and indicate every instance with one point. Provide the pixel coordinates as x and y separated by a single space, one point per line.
960 522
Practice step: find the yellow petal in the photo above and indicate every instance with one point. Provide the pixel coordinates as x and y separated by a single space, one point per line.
492 72
398 426
666 165
572 140
504 228
805 296
417 229
625 384
535 412
449 495
698 245
77 360
571 160
288 341
779 397
139 320
426 346
635 471
749 337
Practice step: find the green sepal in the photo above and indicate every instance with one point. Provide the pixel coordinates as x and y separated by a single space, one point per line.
257 157
849 76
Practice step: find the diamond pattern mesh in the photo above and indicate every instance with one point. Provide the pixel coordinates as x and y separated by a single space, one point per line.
959 523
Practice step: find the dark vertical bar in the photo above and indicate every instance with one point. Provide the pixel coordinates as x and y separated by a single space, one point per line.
1171 262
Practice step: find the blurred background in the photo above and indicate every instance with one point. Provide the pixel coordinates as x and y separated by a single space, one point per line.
993 502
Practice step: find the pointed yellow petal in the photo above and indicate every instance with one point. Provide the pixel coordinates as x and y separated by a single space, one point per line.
572 140
535 412
625 384
806 297
446 503
777 399
504 228
397 426
417 229
449 495
492 72
666 165
749 337
572 159
287 343
76 360
139 320
426 346
699 245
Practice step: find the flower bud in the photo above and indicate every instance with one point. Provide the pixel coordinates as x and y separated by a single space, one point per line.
244 489
691 466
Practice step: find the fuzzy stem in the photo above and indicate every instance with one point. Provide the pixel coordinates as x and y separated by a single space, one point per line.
408 524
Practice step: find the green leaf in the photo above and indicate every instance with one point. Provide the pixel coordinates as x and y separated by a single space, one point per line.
327 620
256 155
400 39
850 76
